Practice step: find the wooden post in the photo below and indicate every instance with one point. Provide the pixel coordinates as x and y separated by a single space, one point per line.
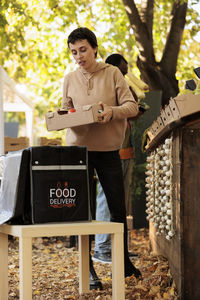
118 281
3 266
83 263
25 267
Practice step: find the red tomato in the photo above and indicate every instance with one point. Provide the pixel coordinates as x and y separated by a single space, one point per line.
71 110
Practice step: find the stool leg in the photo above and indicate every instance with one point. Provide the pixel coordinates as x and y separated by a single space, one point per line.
118 282
25 268
3 266
83 263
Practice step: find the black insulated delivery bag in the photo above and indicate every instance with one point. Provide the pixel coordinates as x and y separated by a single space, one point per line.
59 184
52 185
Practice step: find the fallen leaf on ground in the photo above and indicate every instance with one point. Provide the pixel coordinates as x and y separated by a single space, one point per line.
55 272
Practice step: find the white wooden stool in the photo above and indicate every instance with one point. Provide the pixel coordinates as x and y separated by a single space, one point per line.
83 230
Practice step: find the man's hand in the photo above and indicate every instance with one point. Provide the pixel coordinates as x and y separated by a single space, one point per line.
106 115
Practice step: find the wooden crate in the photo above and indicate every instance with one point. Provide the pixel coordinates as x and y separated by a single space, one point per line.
183 250
15 144
43 141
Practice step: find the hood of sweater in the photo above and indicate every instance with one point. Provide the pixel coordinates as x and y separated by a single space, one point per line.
89 74
95 68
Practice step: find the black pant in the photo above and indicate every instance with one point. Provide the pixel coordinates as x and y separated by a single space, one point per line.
109 170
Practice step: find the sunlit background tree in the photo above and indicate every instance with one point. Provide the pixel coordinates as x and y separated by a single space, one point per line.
158 38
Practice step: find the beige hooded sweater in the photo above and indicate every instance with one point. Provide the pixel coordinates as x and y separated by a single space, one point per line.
103 83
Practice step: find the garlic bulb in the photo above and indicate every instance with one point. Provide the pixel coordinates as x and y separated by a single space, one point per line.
159 188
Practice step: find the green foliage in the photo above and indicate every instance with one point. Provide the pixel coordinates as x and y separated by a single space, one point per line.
138 180
14 117
34 52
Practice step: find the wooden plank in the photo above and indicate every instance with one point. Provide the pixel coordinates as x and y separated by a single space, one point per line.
158 138
176 259
3 266
83 264
118 281
62 229
12 86
190 191
25 268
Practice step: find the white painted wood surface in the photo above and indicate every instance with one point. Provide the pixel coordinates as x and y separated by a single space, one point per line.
19 103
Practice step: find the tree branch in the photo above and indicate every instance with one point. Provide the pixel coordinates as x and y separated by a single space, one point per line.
147 10
141 31
170 54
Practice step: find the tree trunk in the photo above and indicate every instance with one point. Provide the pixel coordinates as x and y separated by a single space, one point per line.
157 80
158 75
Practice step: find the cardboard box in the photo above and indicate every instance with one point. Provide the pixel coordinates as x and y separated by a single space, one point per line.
185 104
164 117
43 141
160 125
181 106
151 131
155 127
174 109
86 115
169 114
15 144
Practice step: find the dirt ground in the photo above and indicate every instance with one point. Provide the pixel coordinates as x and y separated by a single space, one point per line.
55 272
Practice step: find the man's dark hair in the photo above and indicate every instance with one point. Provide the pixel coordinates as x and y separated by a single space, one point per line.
115 59
83 33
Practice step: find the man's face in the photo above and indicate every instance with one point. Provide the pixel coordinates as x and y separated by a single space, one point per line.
123 66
